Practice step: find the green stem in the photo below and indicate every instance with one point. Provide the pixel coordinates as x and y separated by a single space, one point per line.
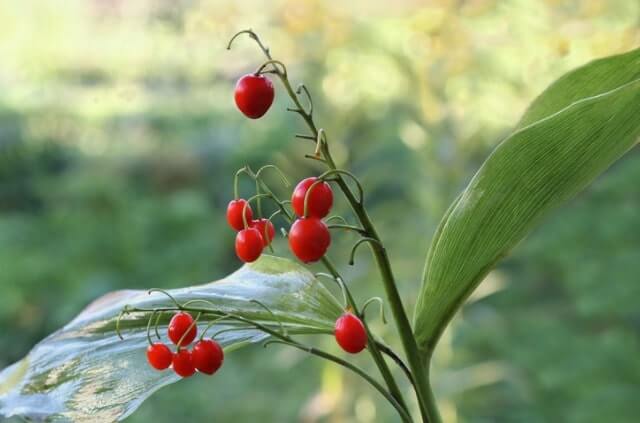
404 413
426 400
259 200
423 389
388 351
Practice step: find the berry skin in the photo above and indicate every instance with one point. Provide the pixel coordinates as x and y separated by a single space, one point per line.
207 356
183 363
159 356
266 229
309 239
319 202
254 95
249 245
178 325
234 214
350 333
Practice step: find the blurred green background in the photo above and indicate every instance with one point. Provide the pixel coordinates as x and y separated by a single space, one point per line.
119 140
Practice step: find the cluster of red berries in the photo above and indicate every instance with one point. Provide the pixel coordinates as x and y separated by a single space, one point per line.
309 237
253 235
206 356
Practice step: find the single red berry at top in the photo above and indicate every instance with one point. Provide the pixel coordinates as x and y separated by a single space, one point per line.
183 363
207 356
249 245
179 325
234 214
266 229
254 95
350 333
309 239
320 198
159 356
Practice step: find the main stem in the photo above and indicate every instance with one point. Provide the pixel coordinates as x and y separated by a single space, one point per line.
423 389
425 396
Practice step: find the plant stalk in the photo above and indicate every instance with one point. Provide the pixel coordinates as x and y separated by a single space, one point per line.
423 389
425 396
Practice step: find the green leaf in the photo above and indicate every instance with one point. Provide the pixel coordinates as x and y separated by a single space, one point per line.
84 372
572 133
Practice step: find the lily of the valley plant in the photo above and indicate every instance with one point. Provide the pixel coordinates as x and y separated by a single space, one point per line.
128 344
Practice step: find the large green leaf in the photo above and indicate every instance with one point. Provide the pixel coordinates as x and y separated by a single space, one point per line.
84 372
573 132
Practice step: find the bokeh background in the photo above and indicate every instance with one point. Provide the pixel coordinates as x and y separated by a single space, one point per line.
119 140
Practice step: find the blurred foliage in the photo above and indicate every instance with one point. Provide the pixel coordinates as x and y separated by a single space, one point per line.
119 140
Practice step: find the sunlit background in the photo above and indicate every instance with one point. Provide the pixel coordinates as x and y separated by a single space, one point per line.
119 140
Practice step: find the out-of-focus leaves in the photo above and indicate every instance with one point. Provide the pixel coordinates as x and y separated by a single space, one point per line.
538 167
84 372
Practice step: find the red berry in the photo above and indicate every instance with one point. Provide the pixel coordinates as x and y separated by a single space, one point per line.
159 356
207 356
350 333
183 363
179 325
249 245
266 229
254 95
234 214
309 239
320 198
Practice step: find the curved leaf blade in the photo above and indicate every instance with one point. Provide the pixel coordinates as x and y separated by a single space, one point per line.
538 167
84 372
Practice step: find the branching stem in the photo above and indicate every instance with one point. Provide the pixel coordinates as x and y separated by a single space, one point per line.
418 368
285 339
